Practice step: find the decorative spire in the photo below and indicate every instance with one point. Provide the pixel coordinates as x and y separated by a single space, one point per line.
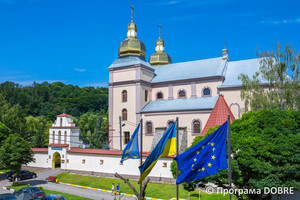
131 12
225 53
159 26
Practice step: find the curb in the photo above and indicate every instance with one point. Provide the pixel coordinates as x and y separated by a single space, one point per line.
5 188
2 172
102 190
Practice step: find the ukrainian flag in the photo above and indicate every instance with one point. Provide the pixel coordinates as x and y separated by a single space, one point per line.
165 147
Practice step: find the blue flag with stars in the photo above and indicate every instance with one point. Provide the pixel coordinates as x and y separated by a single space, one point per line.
132 148
205 158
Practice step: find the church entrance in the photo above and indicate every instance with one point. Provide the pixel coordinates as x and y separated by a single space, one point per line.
56 162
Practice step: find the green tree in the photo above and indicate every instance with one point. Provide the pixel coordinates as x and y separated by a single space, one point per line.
281 91
4 132
15 151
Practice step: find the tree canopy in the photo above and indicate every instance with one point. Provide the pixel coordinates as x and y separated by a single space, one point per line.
51 99
280 68
265 146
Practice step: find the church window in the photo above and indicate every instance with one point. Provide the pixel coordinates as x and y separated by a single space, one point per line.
124 96
53 139
60 121
65 137
206 92
181 93
146 95
126 137
148 127
59 137
159 96
196 127
124 114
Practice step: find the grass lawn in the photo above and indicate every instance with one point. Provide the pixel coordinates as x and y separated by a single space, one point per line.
4 170
155 190
68 196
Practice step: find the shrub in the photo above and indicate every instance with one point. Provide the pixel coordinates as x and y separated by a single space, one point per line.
16 183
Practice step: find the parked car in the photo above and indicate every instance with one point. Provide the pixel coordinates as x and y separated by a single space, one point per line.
55 197
24 175
7 196
35 192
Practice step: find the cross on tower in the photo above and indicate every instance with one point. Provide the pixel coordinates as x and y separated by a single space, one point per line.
131 12
159 26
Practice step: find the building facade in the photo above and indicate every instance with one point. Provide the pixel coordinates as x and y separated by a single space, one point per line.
158 91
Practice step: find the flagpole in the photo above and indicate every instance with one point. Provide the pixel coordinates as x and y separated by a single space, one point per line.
177 152
229 156
141 157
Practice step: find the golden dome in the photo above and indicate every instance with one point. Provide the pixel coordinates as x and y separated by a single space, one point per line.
160 57
132 46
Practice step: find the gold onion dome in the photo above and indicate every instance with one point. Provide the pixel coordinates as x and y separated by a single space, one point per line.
132 46
160 57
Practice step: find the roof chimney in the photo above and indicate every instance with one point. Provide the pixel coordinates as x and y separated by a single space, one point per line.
225 54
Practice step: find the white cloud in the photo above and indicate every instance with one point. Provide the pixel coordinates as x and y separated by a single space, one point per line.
80 70
284 21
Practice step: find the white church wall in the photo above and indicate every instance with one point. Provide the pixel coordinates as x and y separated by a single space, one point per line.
130 105
211 84
111 164
160 120
128 74
233 97
40 160
163 89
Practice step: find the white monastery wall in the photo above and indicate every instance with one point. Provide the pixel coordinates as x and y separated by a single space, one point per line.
163 89
111 164
128 74
40 160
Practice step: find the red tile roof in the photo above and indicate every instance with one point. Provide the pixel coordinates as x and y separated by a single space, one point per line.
101 151
63 115
219 115
58 145
40 150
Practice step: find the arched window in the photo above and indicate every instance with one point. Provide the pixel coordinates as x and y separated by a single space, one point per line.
124 114
206 92
170 122
181 93
65 137
53 139
159 96
149 128
60 121
146 95
59 137
124 96
196 127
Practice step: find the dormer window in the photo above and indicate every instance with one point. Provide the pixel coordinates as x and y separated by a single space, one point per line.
181 93
159 96
206 92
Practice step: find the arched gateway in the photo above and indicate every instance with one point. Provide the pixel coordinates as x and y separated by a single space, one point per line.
56 160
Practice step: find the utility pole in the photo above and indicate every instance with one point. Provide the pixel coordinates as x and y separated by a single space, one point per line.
120 121
177 153
229 156
141 159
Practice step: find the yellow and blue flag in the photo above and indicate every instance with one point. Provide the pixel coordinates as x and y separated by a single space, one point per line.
132 148
205 158
165 147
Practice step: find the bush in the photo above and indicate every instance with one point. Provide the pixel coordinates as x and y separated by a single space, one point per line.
28 185
16 183
41 187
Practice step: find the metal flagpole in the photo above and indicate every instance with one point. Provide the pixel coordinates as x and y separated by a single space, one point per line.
120 121
229 156
177 152
141 157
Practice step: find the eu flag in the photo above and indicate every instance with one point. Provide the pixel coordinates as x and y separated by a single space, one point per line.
132 148
205 158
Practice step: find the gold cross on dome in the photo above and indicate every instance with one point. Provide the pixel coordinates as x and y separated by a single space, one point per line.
131 12
159 26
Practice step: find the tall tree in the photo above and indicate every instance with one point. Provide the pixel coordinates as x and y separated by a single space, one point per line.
15 151
282 91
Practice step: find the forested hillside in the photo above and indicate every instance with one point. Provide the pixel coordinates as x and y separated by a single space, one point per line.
31 110
49 100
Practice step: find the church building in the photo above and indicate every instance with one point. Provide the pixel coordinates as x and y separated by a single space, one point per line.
158 91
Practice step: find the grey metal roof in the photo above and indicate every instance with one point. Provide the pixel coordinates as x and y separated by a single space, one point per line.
201 103
234 69
129 60
189 70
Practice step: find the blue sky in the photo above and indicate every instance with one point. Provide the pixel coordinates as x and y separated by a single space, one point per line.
74 41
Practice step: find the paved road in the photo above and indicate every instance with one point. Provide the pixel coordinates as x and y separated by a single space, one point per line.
40 180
